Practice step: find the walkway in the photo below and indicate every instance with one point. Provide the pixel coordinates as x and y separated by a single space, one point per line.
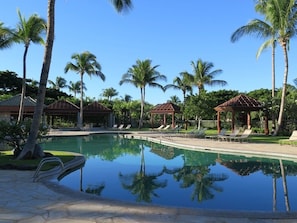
23 201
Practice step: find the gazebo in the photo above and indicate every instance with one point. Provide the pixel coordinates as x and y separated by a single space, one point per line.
238 104
165 109
61 108
93 111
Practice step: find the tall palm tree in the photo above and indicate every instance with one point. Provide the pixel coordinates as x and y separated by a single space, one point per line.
27 32
84 63
283 17
59 83
140 75
204 75
120 5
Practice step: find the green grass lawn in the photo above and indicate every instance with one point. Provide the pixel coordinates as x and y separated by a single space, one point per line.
7 161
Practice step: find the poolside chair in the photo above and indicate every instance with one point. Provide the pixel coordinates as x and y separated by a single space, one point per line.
221 133
243 137
227 137
121 126
128 126
115 126
166 128
159 128
197 133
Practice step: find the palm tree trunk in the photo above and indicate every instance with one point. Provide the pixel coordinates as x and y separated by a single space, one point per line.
23 94
80 123
273 83
284 90
30 144
142 108
286 195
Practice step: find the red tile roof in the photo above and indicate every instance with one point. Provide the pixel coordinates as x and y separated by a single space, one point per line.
240 103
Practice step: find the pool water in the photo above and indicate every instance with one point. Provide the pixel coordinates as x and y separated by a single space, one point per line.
145 172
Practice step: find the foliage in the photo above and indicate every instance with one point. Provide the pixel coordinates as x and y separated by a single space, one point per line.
15 134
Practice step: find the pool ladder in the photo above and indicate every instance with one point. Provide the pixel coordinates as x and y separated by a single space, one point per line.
44 161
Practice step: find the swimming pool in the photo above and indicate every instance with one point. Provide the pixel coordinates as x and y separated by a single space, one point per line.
145 172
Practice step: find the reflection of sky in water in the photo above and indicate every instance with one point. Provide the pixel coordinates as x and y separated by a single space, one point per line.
108 157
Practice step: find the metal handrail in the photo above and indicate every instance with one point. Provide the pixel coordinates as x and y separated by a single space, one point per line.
47 160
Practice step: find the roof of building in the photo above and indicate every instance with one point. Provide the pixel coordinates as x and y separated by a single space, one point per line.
240 103
166 108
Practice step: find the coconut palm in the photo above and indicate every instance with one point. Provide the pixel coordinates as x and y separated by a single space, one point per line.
75 87
260 29
109 93
59 83
140 75
204 75
283 17
120 5
27 32
182 83
84 63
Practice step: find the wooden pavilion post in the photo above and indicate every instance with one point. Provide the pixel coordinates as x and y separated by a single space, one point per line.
172 120
219 121
233 120
164 119
249 120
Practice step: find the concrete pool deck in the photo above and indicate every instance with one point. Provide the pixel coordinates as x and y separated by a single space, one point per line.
24 201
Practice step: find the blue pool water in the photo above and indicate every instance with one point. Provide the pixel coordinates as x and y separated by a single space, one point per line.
146 172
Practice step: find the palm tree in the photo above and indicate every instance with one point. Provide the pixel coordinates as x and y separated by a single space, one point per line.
29 147
261 29
283 17
203 75
27 32
75 87
109 93
59 83
84 63
182 83
140 75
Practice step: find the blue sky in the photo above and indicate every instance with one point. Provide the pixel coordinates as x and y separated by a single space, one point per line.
170 33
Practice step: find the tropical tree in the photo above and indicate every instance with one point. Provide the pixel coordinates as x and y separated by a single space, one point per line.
84 63
265 30
182 83
109 93
27 32
59 83
204 75
140 75
28 149
75 87
283 17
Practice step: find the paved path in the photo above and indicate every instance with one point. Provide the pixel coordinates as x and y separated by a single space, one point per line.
23 201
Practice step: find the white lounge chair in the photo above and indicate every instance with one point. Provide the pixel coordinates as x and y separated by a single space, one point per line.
166 127
121 126
128 126
221 133
159 128
228 137
243 137
291 140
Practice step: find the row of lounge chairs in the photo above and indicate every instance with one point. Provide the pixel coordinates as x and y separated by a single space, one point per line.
234 136
121 127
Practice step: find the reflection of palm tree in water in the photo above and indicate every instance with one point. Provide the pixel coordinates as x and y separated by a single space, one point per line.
285 185
142 184
199 176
